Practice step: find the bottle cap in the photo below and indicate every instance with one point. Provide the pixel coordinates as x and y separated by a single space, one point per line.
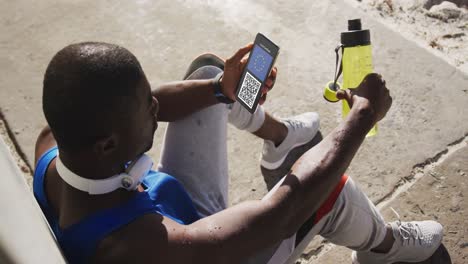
354 24
355 36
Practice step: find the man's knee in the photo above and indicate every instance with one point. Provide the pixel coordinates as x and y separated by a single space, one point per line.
204 72
206 59
355 222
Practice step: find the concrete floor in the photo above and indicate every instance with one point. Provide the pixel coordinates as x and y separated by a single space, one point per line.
427 114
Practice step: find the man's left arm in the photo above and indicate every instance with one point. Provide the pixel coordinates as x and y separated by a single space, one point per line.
182 98
179 99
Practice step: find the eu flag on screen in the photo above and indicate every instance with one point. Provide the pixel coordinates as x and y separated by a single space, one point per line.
259 63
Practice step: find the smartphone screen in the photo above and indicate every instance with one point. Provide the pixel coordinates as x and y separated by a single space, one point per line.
260 62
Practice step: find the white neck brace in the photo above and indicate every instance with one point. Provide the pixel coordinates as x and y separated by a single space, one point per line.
128 180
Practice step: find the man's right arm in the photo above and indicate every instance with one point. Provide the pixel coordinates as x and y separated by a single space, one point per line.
235 233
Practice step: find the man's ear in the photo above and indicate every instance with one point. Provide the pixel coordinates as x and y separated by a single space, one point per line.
106 145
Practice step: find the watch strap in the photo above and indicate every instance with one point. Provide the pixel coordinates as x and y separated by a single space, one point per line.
218 91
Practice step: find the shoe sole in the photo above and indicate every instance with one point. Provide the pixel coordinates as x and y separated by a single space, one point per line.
440 256
272 176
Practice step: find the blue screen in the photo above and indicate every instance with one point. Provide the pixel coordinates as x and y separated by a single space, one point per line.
259 63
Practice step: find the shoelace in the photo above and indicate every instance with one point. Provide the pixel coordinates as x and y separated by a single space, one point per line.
295 123
409 231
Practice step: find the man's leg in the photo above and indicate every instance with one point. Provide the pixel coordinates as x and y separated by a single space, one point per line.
194 149
284 139
348 218
195 152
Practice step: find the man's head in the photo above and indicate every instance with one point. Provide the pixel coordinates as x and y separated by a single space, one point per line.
97 100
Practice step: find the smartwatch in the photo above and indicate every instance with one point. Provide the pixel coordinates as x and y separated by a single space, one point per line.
217 90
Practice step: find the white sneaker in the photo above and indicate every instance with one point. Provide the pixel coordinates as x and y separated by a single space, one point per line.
301 129
414 242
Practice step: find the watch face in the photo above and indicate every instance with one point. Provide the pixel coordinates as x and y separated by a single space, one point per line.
218 93
259 63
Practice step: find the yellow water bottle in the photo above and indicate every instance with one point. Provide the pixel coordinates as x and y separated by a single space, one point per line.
356 60
355 64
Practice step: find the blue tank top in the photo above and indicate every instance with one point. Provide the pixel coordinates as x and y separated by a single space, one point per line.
164 195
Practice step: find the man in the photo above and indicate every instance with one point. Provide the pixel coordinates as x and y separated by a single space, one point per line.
102 116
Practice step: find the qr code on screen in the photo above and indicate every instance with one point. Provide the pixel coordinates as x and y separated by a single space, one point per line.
249 89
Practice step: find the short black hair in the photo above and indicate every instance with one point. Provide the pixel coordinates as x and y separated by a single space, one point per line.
88 89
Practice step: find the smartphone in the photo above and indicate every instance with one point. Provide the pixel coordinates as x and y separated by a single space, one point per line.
259 65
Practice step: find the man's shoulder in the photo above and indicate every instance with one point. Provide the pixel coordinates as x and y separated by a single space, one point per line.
45 141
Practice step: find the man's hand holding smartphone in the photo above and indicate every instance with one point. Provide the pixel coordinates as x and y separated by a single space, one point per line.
234 68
